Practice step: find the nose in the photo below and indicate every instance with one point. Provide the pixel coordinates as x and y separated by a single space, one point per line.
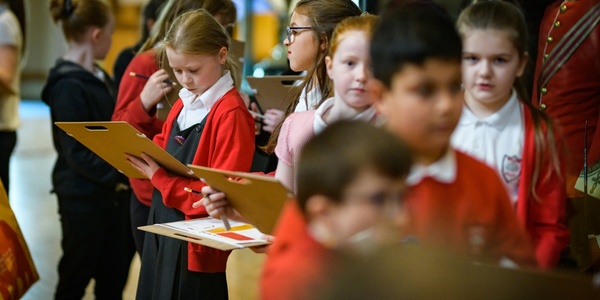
485 68
186 79
286 42
361 73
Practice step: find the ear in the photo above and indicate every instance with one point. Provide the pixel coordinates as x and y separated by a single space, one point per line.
95 33
522 64
318 207
223 55
329 66
324 42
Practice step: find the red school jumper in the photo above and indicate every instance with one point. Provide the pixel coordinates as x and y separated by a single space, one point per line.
543 218
471 215
227 143
129 108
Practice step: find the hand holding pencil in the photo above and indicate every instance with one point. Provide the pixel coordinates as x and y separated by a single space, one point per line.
155 88
217 205
197 204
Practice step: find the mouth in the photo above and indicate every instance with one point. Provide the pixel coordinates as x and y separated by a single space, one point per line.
358 90
485 86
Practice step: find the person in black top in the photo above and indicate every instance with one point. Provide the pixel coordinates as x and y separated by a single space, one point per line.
93 197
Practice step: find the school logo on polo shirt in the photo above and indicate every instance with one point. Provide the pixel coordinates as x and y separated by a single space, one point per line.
511 168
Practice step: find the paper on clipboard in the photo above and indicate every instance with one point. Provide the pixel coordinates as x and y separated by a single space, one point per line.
211 233
258 198
271 91
111 140
593 180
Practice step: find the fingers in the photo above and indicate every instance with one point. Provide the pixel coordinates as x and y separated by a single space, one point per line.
268 238
216 204
155 89
272 118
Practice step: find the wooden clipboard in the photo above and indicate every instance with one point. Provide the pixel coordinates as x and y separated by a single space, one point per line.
237 52
210 232
258 198
271 91
111 140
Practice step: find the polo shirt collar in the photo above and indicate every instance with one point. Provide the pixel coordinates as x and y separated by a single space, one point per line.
443 170
499 119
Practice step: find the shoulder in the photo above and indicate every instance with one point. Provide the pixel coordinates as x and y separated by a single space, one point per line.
469 168
146 57
230 101
301 118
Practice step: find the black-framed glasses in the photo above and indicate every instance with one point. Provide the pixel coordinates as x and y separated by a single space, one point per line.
291 32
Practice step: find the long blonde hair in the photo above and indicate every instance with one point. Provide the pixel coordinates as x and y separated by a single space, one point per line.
198 32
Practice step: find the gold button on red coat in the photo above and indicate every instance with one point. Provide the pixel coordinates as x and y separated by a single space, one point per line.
563 8
550 39
556 24
544 90
543 107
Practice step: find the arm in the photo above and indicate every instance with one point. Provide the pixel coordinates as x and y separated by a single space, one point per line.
9 62
285 166
71 104
549 232
129 106
227 143
285 174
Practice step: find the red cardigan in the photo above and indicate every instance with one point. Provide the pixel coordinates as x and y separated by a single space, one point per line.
297 266
544 219
474 208
129 108
227 143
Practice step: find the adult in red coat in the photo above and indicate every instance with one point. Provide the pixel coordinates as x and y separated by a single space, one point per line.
567 87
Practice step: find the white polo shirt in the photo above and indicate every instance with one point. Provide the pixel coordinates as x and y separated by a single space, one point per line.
496 140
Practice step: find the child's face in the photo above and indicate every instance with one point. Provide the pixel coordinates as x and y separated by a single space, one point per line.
197 72
349 69
371 200
490 65
423 106
302 52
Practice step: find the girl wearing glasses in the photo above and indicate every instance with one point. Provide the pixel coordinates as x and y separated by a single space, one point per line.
311 26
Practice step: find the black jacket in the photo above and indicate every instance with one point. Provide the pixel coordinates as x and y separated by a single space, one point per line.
75 94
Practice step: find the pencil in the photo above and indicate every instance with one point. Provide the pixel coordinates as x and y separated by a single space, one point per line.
134 74
223 217
255 114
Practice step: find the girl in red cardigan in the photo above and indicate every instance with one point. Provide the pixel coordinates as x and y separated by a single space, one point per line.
210 126
499 127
